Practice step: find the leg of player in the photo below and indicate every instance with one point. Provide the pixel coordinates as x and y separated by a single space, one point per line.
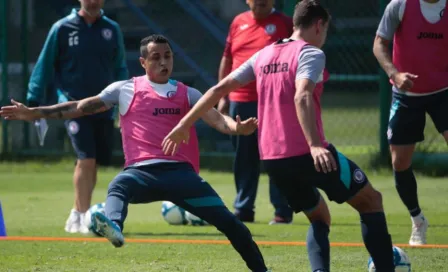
294 178
283 213
111 224
406 126
368 202
406 185
84 180
237 233
189 191
130 186
317 241
246 166
81 133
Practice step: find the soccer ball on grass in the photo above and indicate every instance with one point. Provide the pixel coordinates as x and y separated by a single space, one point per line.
401 260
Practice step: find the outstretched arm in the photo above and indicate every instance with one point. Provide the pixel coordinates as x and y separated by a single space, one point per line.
227 125
209 100
240 77
67 110
180 133
72 109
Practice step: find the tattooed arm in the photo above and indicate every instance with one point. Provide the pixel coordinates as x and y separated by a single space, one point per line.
72 109
109 97
220 122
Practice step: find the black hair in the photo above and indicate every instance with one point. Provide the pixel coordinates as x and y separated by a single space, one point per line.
155 38
307 12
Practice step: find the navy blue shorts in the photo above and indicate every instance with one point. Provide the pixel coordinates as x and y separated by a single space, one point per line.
298 180
92 138
175 182
407 118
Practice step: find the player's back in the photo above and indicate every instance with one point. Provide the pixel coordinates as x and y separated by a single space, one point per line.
280 134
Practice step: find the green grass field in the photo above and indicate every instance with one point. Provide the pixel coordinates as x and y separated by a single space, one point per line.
36 200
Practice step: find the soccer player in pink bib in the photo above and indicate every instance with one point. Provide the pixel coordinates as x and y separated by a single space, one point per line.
150 106
293 148
418 71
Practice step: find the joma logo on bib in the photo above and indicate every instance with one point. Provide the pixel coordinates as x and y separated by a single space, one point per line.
160 111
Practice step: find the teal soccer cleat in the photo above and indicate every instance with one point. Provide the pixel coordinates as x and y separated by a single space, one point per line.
103 226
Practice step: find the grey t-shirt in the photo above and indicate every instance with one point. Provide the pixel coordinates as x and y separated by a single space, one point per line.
394 12
311 66
393 15
121 93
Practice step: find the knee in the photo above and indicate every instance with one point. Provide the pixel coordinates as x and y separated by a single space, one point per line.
320 219
377 200
117 188
401 161
371 202
319 214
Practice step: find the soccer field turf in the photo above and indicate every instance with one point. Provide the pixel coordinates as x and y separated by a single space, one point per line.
36 200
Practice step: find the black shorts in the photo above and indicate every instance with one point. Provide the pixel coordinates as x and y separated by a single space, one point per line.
408 116
92 138
298 180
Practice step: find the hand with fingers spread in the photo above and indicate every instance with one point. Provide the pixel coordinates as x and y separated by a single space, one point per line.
177 136
323 159
17 111
403 81
246 127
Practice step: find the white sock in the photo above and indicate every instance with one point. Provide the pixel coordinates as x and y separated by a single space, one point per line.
417 220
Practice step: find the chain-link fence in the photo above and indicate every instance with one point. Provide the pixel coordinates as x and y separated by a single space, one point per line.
351 101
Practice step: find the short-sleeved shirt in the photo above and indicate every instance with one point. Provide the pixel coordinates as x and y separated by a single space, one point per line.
393 16
246 37
311 66
121 93
394 12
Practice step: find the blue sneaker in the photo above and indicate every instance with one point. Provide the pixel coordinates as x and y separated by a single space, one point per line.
103 226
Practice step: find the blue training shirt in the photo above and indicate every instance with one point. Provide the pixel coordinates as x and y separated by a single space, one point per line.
81 59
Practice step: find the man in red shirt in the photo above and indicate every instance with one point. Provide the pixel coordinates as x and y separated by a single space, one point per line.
249 32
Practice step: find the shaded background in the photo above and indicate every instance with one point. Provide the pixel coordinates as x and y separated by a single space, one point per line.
356 99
